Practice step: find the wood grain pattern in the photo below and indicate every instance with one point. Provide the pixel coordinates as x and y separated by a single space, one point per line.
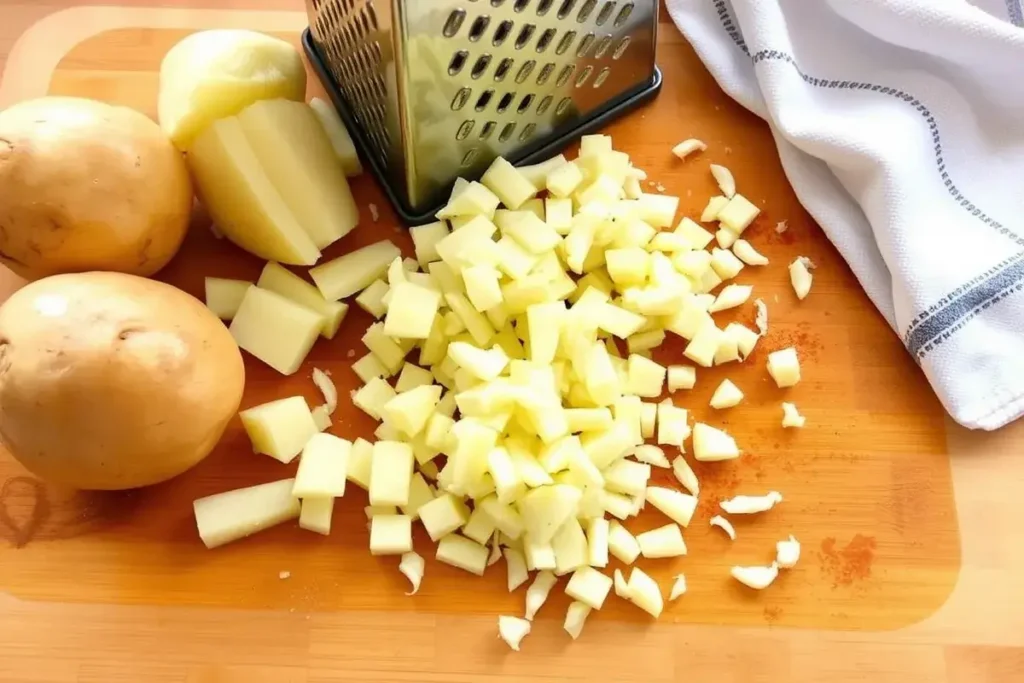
120 585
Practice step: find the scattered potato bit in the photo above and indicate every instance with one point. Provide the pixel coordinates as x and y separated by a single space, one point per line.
589 586
321 417
495 554
781 227
413 566
800 277
685 475
761 316
757 578
711 445
459 551
726 395
731 296
648 419
597 542
745 252
678 588
665 541
390 534
784 367
537 593
787 553
725 525
677 506
516 564
620 584
576 618
791 417
725 263
724 178
652 455
353 272
275 329
645 593
280 428
681 377
688 147
622 544
749 505
512 630
327 388
714 207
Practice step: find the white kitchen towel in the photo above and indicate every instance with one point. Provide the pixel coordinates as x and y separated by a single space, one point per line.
900 125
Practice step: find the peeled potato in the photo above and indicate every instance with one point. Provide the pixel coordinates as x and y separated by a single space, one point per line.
111 381
88 186
213 74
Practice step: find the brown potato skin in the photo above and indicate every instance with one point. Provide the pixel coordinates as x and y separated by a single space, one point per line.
112 381
88 186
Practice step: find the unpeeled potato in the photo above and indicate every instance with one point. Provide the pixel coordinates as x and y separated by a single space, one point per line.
111 381
88 186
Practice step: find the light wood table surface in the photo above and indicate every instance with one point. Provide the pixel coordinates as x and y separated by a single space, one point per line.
913 558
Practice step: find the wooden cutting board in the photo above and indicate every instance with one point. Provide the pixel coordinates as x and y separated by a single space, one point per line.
867 484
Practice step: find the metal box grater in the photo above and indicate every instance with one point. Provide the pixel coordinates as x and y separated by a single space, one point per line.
436 89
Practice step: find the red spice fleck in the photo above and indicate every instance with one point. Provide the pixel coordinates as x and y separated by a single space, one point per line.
850 563
808 345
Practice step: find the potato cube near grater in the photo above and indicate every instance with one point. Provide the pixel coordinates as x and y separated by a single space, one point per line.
432 90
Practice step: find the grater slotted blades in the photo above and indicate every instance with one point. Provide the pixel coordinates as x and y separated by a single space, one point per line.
436 89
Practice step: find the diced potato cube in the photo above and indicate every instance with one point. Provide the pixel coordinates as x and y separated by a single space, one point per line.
352 272
558 214
533 234
589 586
597 542
648 417
745 338
276 330
681 377
622 544
712 445
390 473
472 199
564 180
645 593
544 322
476 323
672 426
575 619
570 546
657 209
731 296
323 467
784 367
629 266
412 376
420 494
601 380
701 349
278 279
537 174
373 396
544 509
677 506
229 516
463 553
725 263
646 378
316 514
588 419
223 296
800 277
368 367
390 534
738 214
371 299
482 287
506 518
409 411
713 208
627 476
443 515
484 365
508 184
726 395
280 428
745 252
480 527
425 239
665 541
411 311
725 238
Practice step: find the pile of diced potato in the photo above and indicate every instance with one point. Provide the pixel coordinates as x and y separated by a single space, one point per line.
526 393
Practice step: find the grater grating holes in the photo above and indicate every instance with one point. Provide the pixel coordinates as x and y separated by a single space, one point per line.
545 73
605 13
624 13
545 104
566 8
484 100
565 43
527 132
620 48
602 46
602 77
584 75
470 157
565 74
465 129
584 47
454 23
543 6
520 5
482 62
563 106
524 105
460 99
545 39
525 33
502 32
495 3
371 16
525 70
507 132
585 11
504 66
479 27
505 101
487 130
458 61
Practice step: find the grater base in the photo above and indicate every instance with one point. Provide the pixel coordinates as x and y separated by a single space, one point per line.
530 154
